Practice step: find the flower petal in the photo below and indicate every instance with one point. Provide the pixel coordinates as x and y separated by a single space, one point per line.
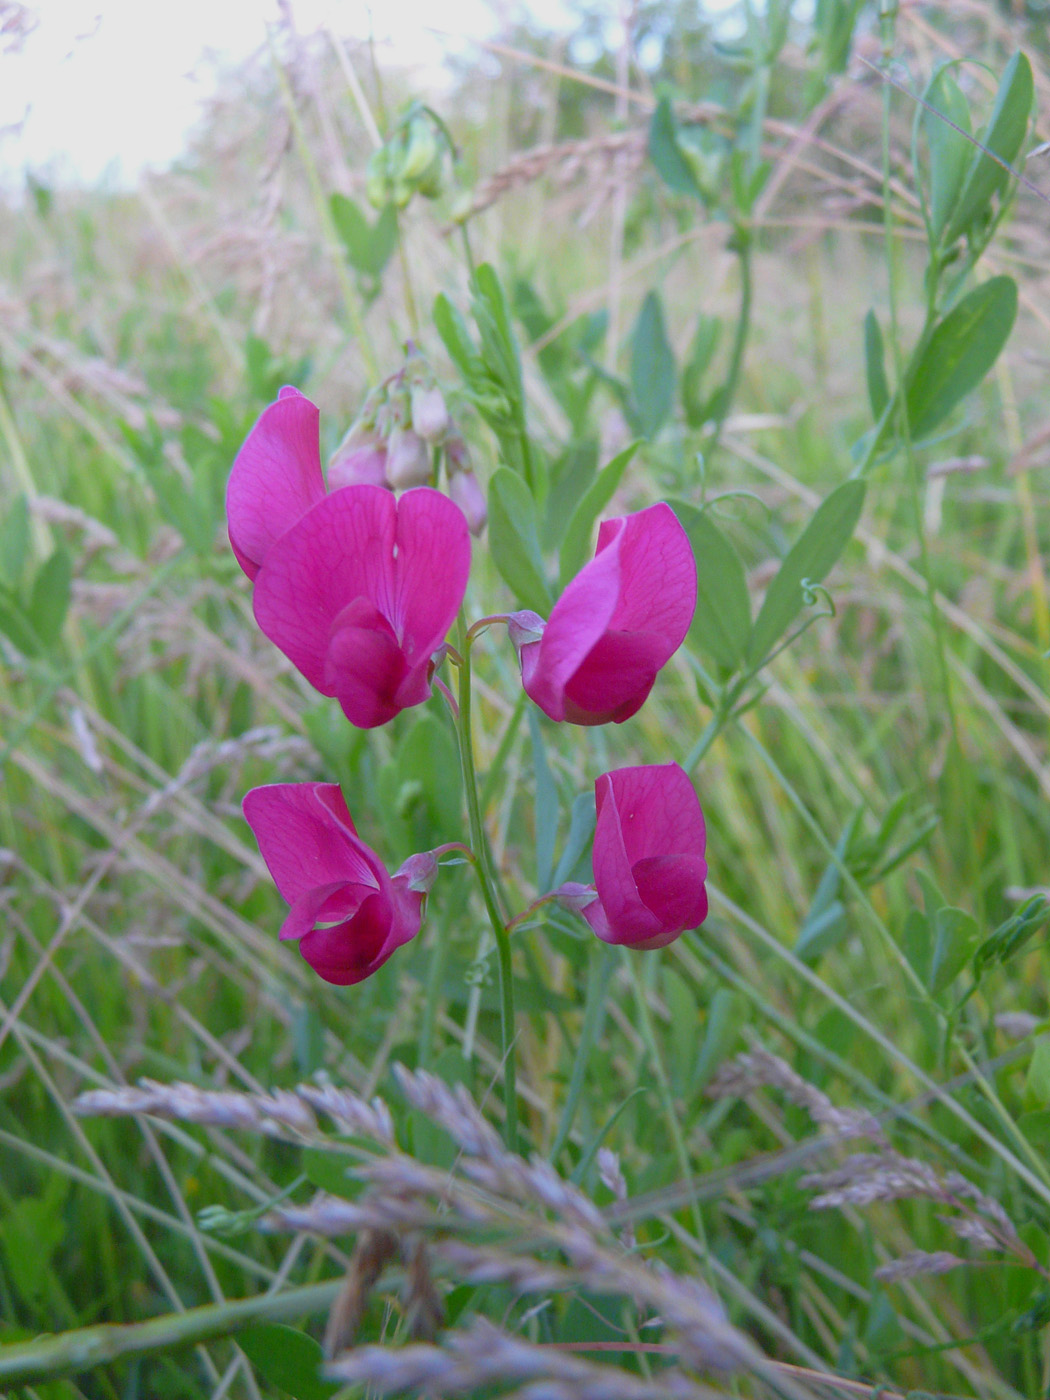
276 478
340 550
659 811
433 564
627 917
672 887
364 666
615 678
304 839
328 904
580 617
353 950
657 575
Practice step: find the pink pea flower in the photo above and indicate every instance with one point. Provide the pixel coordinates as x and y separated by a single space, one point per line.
360 593
348 913
649 866
621 618
276 477
358 590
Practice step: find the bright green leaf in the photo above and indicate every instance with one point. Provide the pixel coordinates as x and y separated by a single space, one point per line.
652 368
287 1359
954 936
1004 136
514 540
14 541
959 353
950 151
875 366
575 549
666 154
49 601
722 622
810 558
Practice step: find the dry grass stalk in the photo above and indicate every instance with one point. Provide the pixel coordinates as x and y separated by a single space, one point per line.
759 1069
482 1355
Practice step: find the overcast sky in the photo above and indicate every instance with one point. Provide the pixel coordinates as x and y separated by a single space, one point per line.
105 87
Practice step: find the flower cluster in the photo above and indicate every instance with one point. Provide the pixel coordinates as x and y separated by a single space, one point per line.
358 588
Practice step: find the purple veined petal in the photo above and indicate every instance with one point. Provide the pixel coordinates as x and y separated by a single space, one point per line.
659 811
364 666
327 904
578 621
303 841
629 919
614 679
351 951
407 911
340 550
433 565
672 887
276 478
657 574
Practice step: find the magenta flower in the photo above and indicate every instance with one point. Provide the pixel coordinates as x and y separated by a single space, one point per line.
361 592
621 618
649 866
347 912
276 477
358 590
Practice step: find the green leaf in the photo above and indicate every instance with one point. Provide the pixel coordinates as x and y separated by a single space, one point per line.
811 557
725 1018
1004 137
428 756
368 246
1037 1081
581 829
652 368
875 366
287 1359
666 154
329 1170
14 541
959 353
575 548
49 601
954 935
722 622
701 353
452 329
546 810
514 540
950 151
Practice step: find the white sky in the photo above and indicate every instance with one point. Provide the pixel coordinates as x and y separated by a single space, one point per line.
103 88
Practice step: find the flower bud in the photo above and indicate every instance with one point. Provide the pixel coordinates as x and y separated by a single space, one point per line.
362 465
377 179
420 149
468 495
407 460
429 413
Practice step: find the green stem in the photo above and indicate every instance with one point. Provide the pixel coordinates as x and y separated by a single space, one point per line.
483 867
601 970
743 326
69 1353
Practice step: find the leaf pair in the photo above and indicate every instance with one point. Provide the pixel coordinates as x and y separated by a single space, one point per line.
722 628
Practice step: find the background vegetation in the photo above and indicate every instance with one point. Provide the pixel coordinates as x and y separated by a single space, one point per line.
878 823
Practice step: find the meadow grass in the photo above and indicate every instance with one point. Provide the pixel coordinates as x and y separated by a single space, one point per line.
893 770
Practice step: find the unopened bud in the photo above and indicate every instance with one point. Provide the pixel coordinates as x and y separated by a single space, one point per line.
377 179
407 460
420 149
429 413
364 465
464 489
